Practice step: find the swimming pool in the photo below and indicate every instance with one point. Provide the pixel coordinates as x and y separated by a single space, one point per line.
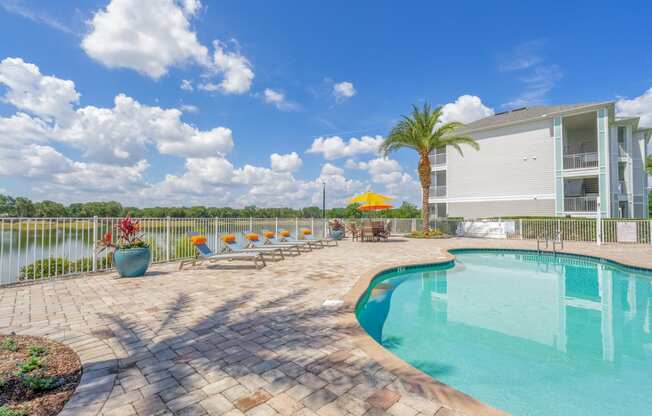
527 333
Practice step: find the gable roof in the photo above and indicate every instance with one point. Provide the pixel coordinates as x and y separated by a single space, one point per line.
524 114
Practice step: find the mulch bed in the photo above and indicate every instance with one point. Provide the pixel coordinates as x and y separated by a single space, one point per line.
37 375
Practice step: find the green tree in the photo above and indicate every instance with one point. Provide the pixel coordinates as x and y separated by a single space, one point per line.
7 206
50 209
423 132
24 207
648 165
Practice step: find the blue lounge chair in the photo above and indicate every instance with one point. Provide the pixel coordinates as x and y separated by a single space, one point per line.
313 243
304 245
324 241
205 254
286 248
240 245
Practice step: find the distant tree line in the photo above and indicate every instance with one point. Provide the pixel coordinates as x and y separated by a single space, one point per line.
24 207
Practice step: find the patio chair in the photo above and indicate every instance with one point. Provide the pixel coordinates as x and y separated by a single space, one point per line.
288 248
355 232
205 254
239 245
385 231
301 245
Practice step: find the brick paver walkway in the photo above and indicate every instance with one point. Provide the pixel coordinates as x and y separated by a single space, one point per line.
212 341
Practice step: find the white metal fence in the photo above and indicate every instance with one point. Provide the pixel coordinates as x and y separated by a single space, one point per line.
44 248
35 249
581 160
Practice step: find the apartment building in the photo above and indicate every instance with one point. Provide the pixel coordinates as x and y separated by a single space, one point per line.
563 160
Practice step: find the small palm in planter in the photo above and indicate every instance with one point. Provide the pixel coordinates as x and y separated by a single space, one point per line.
131 254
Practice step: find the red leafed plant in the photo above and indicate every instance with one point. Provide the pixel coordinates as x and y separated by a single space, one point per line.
129 236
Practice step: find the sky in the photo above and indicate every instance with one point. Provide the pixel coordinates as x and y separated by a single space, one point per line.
235 103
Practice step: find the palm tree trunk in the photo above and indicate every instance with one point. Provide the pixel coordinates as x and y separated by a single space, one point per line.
425 209
425 179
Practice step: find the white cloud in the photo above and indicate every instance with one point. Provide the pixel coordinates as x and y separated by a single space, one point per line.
537 84
389 172
21 129
32 161
329 169
122 133
335 147
343 90
189 108
466 109
525 55
148 39
235 68
278 99
186 85
29 90
640 106
35 15
285 163
208 86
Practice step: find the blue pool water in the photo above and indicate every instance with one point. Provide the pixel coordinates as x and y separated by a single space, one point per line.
526 333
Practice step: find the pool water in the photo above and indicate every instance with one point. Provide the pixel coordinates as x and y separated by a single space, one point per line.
527 333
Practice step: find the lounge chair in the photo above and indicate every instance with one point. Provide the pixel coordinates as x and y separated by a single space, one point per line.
325 242
305 245
205 254
285 248
312 242
240 245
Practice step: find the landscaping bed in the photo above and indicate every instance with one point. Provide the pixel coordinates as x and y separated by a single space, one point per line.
37 375
433 234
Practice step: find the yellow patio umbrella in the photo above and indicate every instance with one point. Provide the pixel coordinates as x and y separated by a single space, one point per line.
370 198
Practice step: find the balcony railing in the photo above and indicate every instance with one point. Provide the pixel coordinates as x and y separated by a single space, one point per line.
622 188
581 204
438 159
438 191
581 160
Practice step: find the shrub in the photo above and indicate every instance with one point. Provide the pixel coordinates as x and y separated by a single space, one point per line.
5 411
9 344
433 233
59 266
30 365
36 351
40 383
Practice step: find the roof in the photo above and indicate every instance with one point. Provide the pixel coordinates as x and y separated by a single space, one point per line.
519 115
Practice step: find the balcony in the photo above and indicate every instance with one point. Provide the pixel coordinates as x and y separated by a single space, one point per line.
438 191
622 188
438 159
581 160
581 204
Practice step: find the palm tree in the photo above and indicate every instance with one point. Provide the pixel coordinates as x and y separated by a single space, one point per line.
424 132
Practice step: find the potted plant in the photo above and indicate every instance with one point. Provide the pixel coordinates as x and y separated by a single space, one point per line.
131 254
336 229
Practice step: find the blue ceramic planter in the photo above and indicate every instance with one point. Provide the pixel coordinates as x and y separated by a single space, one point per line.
337 234
132 262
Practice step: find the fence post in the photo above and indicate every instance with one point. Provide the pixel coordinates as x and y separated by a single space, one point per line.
649 236
94 255
167 238
276 227
520 228
216 221
312 225
251 225
414 224
598 225
296 227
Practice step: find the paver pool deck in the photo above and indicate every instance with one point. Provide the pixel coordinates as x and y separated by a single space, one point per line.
214 341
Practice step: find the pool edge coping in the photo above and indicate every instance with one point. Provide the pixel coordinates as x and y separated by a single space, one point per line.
426 385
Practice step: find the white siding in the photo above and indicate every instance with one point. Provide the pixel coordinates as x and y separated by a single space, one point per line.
512 161
530 208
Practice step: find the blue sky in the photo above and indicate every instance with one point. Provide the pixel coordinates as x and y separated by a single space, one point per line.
262 78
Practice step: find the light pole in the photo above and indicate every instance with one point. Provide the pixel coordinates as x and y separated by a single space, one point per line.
323 200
